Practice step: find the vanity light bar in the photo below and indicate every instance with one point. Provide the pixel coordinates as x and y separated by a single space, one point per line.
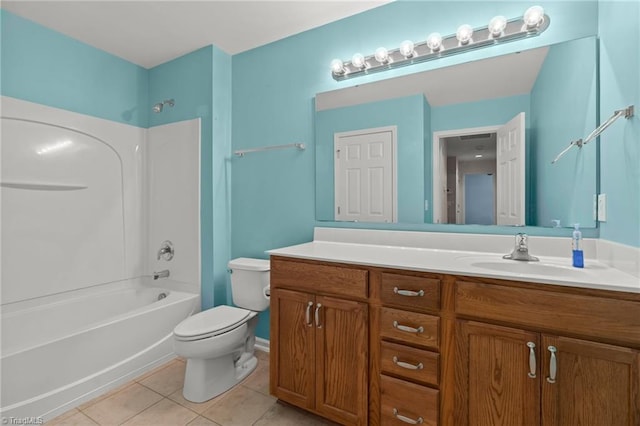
500 30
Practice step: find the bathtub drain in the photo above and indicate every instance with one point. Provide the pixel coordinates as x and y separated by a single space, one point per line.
162 296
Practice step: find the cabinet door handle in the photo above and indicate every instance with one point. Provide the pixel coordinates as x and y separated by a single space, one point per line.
317 315
307 314
405 419
409 293
407 328
532 360
553 364
406 365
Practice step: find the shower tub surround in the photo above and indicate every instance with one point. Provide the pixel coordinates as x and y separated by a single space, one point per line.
80 231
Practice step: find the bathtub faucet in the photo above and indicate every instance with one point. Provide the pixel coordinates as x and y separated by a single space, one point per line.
161 274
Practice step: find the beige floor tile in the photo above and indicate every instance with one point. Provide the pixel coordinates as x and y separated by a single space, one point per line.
240 406
262 355
165 412
123 405
104 396
202 421
258 380
166 380
285 415
156 369
71 418
193 406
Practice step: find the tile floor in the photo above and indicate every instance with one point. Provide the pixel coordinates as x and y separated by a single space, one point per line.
155 398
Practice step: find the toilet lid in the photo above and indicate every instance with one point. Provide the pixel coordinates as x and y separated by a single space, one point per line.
210 321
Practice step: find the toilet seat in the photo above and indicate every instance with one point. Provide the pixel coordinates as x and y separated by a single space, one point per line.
211 322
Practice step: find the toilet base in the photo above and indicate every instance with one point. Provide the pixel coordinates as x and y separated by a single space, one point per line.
207 378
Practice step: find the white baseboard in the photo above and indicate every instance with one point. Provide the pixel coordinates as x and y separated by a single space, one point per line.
262 344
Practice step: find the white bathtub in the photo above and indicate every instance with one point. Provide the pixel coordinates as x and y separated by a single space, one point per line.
61 350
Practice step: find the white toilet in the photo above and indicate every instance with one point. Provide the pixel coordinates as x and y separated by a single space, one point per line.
219 343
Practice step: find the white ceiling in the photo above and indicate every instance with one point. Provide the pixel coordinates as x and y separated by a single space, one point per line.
149 33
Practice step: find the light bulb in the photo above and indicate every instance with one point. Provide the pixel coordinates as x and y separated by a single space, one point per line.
464 34
497 25
434 41
382 55
337 67
407 49
534 16
358 61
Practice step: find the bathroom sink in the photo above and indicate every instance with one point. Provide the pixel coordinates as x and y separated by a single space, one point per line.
491 262
528 268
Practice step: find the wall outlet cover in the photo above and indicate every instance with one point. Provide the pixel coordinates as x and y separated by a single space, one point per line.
602 207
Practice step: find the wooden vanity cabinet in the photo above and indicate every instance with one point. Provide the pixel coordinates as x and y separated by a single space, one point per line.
319 339
362 345
407 356
559 358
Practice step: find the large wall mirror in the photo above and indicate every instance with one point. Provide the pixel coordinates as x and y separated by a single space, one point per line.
469 144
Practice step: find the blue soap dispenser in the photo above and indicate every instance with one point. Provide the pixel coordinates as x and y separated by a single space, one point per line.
578 256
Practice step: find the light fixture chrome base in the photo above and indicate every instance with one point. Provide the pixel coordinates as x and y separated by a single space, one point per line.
482 37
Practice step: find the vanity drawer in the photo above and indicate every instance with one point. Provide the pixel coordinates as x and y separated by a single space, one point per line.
612 320
410 291
410 327
407 400
320 278
410 363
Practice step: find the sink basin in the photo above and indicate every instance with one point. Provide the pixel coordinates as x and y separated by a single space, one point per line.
528 268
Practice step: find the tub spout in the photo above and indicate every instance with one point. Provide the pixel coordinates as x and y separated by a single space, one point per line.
161 274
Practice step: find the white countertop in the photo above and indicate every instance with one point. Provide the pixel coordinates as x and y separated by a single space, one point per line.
549 270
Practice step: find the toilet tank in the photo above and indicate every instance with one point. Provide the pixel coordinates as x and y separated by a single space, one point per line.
249 282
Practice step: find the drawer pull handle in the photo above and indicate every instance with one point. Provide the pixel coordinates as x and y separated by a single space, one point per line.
405 419
406 365
307 314
532 360
317 315
553 365
409 293
407 328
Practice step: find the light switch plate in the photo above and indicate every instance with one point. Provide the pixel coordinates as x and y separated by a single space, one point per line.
602 207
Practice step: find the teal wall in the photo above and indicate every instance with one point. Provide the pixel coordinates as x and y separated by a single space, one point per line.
563 108
46 67
407 114
620 144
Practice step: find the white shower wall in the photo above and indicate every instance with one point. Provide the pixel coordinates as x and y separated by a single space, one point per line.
173 198
55 239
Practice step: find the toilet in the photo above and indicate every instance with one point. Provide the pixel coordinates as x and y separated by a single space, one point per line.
219 343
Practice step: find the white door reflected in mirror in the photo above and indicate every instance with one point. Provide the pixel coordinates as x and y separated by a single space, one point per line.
365 181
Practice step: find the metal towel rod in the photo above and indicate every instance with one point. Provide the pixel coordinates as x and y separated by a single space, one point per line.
625 112
242 152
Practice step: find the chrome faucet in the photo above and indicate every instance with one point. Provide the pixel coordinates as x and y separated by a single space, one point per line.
521 250
161 274
166 250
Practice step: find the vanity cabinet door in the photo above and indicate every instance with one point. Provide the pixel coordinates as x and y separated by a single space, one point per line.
292 373
342 357
594 384
496 378
319 354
